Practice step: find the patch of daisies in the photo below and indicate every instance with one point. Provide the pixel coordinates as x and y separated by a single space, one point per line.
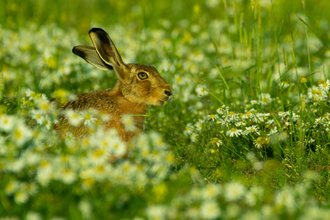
33 155
234 200
259 128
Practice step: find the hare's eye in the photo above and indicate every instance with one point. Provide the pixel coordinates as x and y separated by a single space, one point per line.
142 75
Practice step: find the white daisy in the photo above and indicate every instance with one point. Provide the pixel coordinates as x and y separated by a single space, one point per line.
45 106
66 175
31 94
85 208
21 133
319 121
128 122
210 210
194 137
119 147
201 91
285 198
12 187
222 110
265 98
156 212
284 84
213 117
234 191
89 119
234 132
253 195
179 80
199 125
100 155
216 141
7 122
21 196
33 216
325 86
74 117
211 191
252 129
188 130
254 102
212 3
38 116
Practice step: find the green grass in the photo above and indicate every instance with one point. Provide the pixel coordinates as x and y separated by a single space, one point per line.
246 134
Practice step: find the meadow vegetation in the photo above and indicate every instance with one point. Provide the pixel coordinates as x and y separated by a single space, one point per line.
245 136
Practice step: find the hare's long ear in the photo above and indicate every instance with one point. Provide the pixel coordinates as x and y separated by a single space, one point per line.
90 55
107 51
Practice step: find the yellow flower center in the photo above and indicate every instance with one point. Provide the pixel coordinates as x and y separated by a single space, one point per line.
126 167
260 140
88 182
44 163
44 106
170 158
145 153
303 80
18 134
100 168
104 143
98 153
85 141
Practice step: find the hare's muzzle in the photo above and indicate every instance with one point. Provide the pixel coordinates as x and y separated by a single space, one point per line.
168 94
164 95
168 91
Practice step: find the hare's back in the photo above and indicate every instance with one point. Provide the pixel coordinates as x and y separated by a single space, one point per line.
100 100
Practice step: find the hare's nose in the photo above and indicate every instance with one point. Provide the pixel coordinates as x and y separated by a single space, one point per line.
168 93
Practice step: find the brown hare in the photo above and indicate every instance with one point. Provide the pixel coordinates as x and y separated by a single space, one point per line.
137 87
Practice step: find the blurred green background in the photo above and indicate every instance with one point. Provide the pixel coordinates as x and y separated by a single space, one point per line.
80 14
265 22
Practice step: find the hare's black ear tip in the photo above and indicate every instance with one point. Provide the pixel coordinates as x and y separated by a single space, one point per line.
75 50
78 52
94 30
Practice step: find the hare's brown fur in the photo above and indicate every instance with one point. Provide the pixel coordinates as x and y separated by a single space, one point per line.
130 96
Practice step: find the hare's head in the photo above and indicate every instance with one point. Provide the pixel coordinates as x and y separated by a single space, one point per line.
138 83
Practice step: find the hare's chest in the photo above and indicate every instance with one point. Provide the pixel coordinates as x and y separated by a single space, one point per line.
126 126
125 116
126 121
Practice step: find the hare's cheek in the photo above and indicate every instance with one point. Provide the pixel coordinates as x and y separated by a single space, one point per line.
144 87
